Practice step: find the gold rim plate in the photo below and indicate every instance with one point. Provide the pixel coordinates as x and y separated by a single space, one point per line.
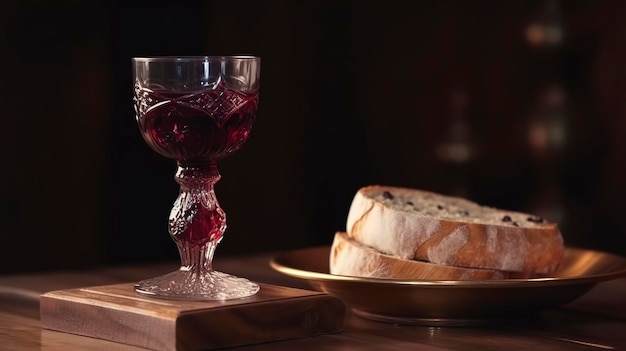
426 302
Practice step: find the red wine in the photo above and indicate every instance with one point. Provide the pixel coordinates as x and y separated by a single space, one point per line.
195 128
199 126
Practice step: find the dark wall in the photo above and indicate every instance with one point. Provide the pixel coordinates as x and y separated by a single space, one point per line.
458 97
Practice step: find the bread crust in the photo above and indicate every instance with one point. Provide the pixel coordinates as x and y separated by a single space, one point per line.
351 258
456 242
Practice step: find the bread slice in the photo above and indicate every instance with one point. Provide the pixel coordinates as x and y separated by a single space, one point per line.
351 258
419 225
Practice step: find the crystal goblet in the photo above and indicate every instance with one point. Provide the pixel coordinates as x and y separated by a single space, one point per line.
196 110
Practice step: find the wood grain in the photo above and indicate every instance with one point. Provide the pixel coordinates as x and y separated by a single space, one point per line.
117 313
596 321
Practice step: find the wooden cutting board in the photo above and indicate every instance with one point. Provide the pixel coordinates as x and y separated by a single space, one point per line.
117 313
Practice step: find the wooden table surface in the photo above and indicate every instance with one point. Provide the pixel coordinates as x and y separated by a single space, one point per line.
596 321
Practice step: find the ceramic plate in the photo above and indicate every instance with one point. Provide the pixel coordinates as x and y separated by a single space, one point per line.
452 302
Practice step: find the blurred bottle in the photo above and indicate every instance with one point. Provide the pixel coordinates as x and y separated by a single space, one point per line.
457 149
546 30
547 130
547 137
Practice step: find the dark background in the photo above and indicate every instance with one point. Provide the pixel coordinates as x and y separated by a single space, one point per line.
462 97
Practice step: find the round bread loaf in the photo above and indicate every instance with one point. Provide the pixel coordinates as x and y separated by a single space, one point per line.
419 225
351 258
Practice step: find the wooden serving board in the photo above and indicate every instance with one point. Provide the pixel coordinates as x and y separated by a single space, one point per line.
117 313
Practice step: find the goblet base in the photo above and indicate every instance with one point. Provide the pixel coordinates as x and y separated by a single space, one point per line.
187 284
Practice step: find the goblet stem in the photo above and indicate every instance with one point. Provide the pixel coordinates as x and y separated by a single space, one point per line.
196 217
197 224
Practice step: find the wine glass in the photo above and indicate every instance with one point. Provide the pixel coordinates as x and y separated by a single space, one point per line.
196 111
